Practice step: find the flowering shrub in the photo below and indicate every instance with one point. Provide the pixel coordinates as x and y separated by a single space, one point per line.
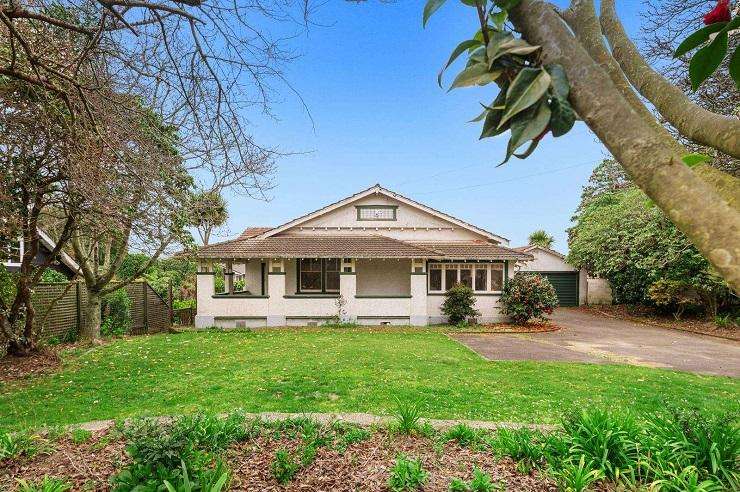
459 304
528 296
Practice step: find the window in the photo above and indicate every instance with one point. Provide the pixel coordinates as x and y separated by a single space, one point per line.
435 278
376 212
481 278
442 276
497 276
318 275
310 275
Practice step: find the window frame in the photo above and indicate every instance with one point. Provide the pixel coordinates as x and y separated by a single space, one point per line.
443 267
322 279
393 208
10 261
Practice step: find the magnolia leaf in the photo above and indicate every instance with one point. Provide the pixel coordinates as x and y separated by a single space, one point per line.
532 145
480 116
511 47
735 67
470 3
526 126
526 89
478 55
697 38
473 75
559 84
430 8
563 117
707 59
459 50
695 158
499 19
495 41
493 118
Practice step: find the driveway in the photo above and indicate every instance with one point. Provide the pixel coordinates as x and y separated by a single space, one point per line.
590 338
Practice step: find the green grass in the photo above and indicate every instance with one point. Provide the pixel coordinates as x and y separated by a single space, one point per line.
324 370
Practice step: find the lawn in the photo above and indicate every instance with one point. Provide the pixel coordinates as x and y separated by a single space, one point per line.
336 371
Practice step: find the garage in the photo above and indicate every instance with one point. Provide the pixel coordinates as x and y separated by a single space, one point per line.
566 286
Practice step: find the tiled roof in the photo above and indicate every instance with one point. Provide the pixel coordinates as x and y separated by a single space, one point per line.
355 247
250 232
316 247
527 249
474 250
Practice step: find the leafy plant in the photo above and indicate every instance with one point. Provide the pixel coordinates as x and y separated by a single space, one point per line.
284 466
209 481
523 445
408 415
576 478
17 444
459 304
118 322
51 276
528 296
47 484
407 475
210 432
481 482
80 435
463 434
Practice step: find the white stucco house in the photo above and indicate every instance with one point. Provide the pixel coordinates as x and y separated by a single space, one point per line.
390 259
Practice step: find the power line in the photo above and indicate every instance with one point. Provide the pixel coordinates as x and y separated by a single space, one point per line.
518 178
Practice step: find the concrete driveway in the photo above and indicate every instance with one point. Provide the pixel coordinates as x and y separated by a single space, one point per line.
590 338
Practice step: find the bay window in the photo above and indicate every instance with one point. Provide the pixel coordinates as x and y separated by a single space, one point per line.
318 275
481 277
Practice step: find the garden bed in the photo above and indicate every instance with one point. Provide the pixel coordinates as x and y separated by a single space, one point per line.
43 362
542 327
647 315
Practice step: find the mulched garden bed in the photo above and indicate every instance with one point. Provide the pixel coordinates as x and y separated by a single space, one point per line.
542 327
646 315
363 465
12 367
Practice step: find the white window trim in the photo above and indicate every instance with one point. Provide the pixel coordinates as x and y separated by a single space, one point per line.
443 267
21 251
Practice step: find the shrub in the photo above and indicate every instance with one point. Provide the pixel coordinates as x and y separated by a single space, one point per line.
407 416
118 321
51 276
407 475
284 466
459 304
674 296
528 296
463 434
211 432
47 484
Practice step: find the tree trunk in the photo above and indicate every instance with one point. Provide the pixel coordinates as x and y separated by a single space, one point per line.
90 327
651 160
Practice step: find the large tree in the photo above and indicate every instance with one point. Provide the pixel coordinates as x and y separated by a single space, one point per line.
562 61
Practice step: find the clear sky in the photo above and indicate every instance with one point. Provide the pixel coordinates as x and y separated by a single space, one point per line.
368 76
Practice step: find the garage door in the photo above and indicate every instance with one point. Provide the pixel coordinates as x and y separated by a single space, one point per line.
566 286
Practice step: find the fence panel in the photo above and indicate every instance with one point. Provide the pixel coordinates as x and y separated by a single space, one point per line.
149 312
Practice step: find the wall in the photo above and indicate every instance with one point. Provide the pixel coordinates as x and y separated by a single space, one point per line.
545 261
383 277
599 291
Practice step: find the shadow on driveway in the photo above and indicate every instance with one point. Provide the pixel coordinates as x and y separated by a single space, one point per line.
586 337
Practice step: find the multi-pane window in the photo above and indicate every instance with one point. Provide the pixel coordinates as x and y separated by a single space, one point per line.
376 212
318 275
481 277
12 251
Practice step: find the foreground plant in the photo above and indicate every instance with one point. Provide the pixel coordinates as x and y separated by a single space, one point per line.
47 484
407 475
408 415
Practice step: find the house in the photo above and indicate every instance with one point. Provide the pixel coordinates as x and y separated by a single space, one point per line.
571 284
390 258
63 264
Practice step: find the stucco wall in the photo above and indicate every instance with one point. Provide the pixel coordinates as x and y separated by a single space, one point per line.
599 291
546 262
383 277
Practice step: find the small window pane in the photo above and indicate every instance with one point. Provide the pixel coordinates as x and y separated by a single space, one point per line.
435 280
450 278
377 213
497 276
310 274
332 274
481 277
466 277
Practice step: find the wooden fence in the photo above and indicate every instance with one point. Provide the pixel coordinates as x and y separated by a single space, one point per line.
150 313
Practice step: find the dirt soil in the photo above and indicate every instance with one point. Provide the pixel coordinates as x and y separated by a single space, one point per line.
12 367
644 314
362 466
540 327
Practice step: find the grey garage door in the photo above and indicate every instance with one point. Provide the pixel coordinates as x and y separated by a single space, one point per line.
566 286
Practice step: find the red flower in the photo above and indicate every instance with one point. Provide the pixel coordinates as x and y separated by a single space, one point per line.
720 13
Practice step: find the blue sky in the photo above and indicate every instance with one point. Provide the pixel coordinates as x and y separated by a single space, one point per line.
369 80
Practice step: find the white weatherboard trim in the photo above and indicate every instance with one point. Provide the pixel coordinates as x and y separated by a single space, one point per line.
379 190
